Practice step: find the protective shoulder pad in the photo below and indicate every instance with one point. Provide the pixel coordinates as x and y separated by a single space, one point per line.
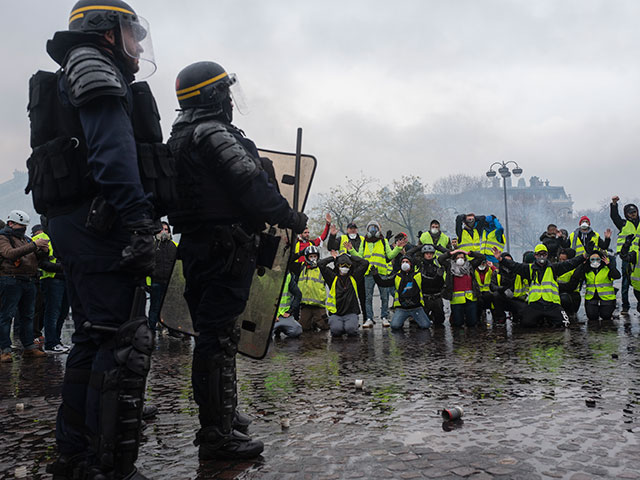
224 151
89 74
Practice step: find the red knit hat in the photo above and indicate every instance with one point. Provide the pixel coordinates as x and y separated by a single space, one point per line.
584 218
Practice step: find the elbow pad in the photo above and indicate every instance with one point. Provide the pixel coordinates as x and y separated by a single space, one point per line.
89 74
227 155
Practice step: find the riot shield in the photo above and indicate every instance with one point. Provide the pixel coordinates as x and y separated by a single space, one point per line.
259 316
256 322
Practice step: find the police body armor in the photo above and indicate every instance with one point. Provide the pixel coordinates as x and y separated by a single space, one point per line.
59 175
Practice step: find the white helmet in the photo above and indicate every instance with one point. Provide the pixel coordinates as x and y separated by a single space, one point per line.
18 216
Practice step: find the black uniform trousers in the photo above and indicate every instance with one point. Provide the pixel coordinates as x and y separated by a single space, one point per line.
434 308
535 314
102 294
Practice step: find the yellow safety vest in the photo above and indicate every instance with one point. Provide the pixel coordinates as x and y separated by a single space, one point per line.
546 290
52 258
520 286
484 286
635 276
469 243
331 299
427 239
285 299
489 241
417 277
566 277
375 253
628 229
311 285
601 283
343 240
576 243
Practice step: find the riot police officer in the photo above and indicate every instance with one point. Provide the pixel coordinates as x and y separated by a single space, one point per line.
89 134
224 199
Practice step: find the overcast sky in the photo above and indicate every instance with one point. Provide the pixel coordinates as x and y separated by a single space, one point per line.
394 88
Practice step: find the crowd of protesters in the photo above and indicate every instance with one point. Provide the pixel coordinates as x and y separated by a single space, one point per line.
470 270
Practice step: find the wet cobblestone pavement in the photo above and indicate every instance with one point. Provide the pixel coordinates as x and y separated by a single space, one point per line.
528 400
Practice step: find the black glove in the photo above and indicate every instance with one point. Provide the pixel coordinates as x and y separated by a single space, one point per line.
139 257
628 240
297 221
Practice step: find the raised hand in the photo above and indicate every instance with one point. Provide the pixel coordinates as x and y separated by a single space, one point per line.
607 233
327 218
615 199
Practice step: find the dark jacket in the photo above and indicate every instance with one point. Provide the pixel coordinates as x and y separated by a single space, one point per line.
17 255
165 258
479 225
445 261
432 272
408 293
615 215
554 243
346 297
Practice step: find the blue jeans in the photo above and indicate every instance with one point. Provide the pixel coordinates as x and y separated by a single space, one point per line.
369 283
401 314
53 292
17 296
465 313
157 294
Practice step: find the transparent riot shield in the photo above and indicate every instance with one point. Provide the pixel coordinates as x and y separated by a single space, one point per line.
256 322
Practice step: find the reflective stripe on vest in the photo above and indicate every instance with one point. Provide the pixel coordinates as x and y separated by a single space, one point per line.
628 229
416 278
468 243
375 255
576 243
635 277
53 259
566 278
331 299
427 239
601 283
312 287
546 290
462 297
343 240
489 241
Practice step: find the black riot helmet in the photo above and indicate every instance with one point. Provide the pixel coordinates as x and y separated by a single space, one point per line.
132 31
208 85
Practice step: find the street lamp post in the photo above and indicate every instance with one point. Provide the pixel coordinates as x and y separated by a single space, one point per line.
505 173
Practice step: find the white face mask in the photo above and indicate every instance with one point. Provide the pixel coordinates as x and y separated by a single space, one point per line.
460 261
595 263
405 267
434 231
352 236
482 267
344 270
584 225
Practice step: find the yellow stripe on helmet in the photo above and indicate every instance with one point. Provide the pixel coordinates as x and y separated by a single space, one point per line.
76 17
73 15
189 95
203 84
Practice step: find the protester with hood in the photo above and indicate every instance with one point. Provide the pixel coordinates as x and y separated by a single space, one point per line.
469 229
492 236
18 274
376 250
343 303
440 241
584 239
629 253
630 225
314 294
569 285
286 324
509 293
554 240
461 288
432 282
598 275
408 300
543 301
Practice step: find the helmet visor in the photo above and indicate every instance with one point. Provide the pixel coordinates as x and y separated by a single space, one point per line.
237 95
136 44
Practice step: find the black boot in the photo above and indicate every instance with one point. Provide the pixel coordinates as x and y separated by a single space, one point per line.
216 445
241 422
68 467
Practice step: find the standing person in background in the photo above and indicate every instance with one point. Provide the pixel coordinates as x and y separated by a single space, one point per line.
375 249
38 313
166 250
469 229
630 253
440 241
585 240
18 274
630 225
554 240
304 240
492 236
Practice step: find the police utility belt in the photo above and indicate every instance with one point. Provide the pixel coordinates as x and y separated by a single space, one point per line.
59 175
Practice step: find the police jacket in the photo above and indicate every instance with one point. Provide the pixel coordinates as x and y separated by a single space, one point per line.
445 261
165 258
220 180
95 90
535 271
346 297
18 255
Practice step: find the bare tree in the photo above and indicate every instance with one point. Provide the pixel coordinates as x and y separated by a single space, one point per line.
458 183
